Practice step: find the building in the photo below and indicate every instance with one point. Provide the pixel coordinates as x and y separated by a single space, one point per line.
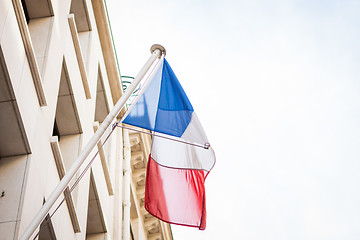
58 80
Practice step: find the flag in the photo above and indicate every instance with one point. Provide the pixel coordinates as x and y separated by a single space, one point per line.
176 171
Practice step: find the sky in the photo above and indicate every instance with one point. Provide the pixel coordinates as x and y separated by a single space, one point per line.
276 86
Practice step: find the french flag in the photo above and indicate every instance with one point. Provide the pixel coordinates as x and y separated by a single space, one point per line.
180 156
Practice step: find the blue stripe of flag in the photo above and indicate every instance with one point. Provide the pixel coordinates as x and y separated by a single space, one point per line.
163 107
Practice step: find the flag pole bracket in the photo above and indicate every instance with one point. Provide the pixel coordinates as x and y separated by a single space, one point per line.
160 47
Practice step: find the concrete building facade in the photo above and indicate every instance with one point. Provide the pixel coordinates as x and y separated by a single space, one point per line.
58 80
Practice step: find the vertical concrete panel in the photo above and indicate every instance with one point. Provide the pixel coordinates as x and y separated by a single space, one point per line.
33 193
101 188
28 104
40 31
4 8
84 38
7 231
12 178
12 174
13 48
82 204
62 224
70 150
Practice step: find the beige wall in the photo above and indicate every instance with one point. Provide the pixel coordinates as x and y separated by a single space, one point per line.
28 179
60 67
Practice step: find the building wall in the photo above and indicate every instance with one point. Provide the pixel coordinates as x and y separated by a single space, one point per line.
58 81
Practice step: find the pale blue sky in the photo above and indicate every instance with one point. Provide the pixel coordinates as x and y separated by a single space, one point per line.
276 85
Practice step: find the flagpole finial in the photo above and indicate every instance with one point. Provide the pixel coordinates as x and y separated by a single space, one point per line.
158 46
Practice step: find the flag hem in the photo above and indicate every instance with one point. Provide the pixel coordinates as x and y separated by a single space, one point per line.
180 224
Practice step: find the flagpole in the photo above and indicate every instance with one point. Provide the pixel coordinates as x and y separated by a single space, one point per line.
157 51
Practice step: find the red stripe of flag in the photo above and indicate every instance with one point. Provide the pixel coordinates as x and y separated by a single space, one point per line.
176 195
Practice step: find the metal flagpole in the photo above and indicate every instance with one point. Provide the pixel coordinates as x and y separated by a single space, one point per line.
157 51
